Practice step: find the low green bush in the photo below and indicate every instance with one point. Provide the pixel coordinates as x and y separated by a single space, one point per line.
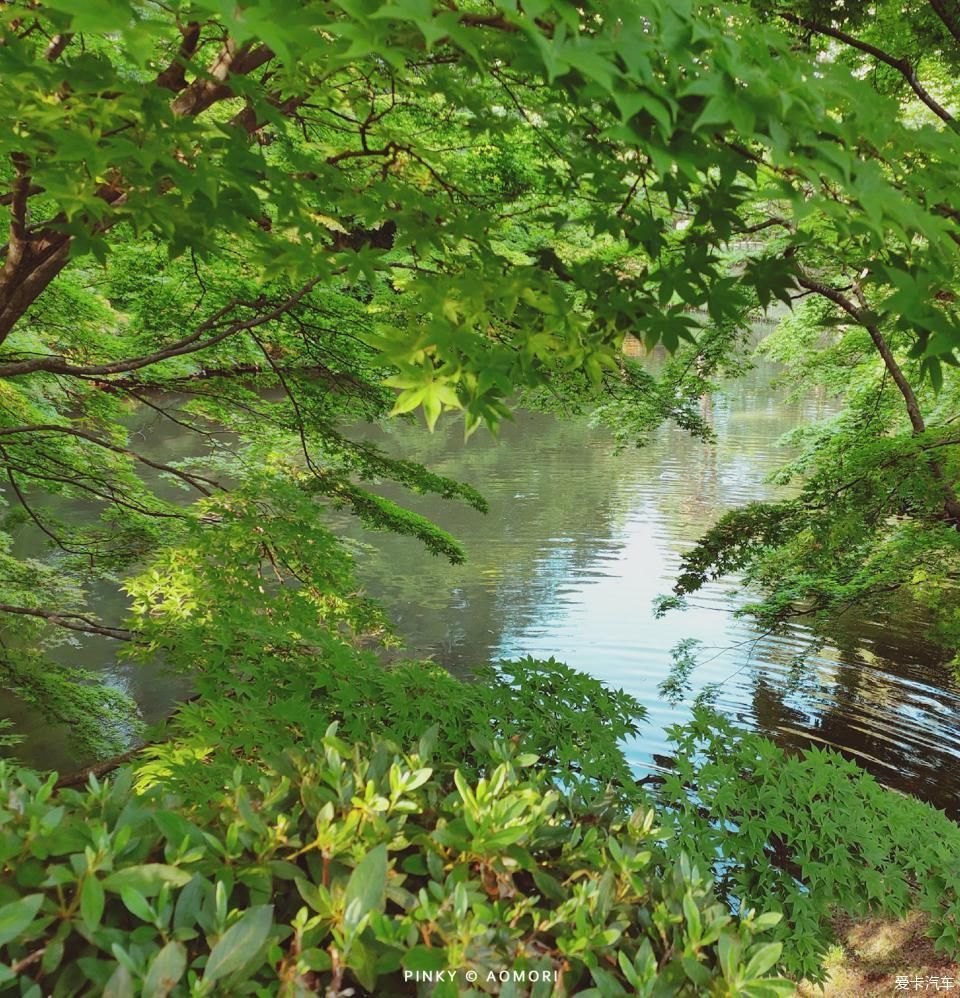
513 839
346 869
808 834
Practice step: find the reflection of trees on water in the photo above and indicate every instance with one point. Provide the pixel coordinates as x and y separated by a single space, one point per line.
893 707
562 504
876 692
557 498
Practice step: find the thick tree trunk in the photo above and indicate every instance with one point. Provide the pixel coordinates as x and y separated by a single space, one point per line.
39 263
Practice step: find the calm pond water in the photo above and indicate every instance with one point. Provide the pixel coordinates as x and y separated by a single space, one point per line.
577 543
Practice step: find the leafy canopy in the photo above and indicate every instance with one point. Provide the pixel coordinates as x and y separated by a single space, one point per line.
264 220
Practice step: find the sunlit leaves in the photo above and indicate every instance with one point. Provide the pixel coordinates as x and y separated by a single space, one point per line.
682 93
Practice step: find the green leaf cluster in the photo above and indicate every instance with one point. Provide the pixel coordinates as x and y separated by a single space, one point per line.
342 864
807 835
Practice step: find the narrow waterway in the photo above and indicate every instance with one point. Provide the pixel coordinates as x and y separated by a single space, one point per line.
577 543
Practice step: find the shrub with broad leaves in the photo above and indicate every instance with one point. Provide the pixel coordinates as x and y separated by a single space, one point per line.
343 868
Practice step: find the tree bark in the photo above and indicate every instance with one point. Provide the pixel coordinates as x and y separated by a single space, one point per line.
903 66
33 261
951 504
951 21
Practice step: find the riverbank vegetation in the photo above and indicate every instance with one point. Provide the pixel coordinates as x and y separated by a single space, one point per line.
267 222
257 849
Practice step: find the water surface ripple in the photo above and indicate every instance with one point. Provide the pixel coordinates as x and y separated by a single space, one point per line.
578 542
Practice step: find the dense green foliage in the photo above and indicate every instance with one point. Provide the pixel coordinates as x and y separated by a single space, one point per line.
267 219
872 524
337 865
808 835
571 722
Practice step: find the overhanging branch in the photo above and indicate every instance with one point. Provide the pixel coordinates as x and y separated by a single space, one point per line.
71 621
198 482
903 66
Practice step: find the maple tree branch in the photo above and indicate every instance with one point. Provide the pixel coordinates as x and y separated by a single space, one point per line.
950 22
32 513
199 482
859 312
174 77
17 242
214 86
57 44
71 621
902 66
192 343
890 362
